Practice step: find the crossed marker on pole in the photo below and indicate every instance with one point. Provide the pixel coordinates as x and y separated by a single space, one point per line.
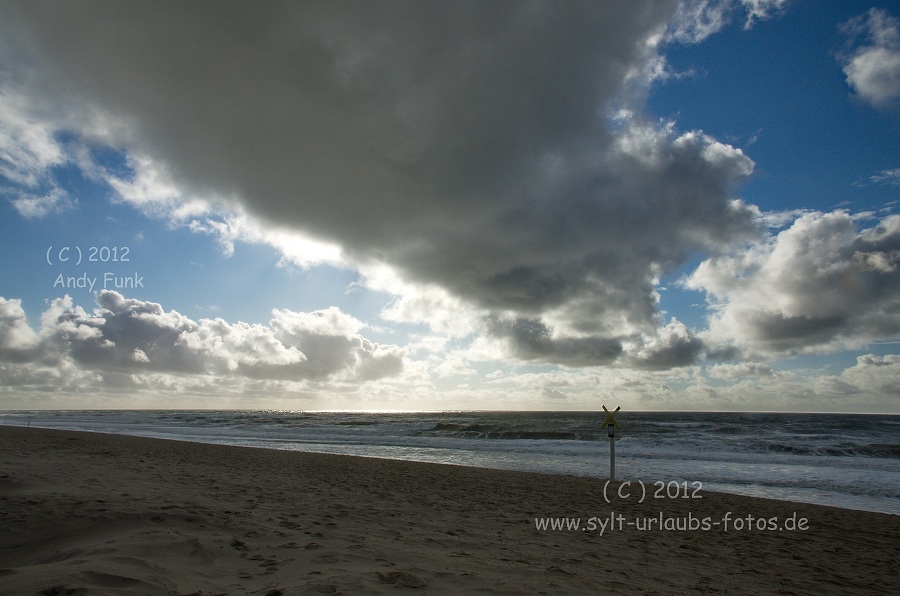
610 418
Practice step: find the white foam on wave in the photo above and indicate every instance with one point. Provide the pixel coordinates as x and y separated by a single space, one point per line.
851 462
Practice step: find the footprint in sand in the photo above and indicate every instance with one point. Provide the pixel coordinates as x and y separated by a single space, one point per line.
401 578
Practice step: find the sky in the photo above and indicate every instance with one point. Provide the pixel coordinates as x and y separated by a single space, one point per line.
411 205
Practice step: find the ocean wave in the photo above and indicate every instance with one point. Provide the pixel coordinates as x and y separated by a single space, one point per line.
886 450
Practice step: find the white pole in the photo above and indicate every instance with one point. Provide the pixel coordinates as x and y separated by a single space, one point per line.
612 452
611 426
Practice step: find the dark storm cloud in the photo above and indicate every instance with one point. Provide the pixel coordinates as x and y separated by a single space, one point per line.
672 346
466 144
530 339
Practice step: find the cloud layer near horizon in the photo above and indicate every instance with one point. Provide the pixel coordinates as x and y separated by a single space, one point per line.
131 353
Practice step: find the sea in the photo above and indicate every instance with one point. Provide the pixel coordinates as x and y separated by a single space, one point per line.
844 460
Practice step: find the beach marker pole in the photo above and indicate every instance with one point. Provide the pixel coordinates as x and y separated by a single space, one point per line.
611 426
612 452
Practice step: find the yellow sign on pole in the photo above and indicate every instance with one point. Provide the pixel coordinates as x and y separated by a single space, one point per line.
610 418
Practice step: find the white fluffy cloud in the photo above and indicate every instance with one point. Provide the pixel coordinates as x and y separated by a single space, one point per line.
33 206
695 20
128 336
17 340
891 177
27 146
760 10
872 66
875 374
822 284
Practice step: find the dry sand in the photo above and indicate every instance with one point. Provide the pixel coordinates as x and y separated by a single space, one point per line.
84 513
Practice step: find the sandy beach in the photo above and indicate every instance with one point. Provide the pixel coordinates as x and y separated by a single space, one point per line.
85 513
